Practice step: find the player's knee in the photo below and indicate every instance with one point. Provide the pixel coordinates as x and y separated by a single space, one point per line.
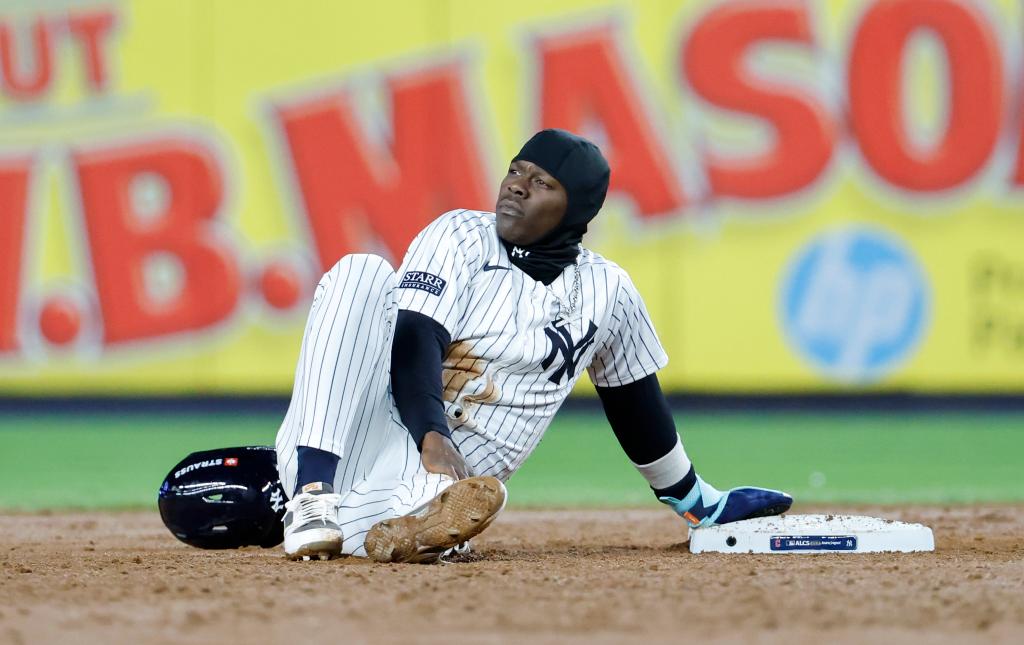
365 264
359 274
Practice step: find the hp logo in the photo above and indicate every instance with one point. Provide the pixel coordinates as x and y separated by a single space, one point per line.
855 304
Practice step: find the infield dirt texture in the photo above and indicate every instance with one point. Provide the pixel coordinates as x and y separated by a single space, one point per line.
592 573
536 576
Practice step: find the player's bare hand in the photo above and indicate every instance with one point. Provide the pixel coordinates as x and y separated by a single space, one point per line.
439 455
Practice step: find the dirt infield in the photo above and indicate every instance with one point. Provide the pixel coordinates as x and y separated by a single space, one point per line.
546 576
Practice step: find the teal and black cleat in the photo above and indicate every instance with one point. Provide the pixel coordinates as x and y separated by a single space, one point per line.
707 506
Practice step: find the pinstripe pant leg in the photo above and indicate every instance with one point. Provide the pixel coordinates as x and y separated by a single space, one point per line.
397 485
340 397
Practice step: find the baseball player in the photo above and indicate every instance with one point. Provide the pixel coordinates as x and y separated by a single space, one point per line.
419 392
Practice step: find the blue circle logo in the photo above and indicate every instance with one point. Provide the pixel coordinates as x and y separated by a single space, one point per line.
855 303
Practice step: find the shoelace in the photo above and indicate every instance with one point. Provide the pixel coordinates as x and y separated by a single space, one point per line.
309 508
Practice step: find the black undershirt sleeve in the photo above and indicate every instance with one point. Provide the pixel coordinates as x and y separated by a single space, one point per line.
641 419
416 354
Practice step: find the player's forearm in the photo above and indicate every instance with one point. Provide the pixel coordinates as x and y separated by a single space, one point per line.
641 419
416 354
643 424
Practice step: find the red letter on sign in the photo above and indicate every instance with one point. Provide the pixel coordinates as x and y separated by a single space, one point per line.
14 176
352 188
91 29
1018 174
186 182
585 82
876 92
16 84
713 60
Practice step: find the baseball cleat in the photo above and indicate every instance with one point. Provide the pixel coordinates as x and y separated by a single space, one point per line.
311 530
707 506
460 550
459 513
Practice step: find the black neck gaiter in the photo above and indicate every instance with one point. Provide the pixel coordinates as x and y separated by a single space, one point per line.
545 262
580 167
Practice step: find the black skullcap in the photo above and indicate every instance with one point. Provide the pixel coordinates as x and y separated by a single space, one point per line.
578 165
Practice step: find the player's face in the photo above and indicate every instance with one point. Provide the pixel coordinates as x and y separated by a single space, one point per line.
531 203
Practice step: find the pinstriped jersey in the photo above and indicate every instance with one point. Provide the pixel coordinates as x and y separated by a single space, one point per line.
518 345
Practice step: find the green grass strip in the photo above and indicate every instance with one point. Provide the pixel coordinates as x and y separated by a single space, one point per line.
103 461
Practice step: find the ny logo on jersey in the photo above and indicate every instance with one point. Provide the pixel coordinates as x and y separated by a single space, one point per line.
563 345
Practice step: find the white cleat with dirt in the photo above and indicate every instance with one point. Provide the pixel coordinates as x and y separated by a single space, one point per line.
311 530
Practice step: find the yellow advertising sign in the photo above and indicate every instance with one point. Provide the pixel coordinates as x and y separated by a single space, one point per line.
810 196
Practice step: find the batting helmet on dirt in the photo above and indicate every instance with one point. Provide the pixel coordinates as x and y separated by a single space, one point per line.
225 498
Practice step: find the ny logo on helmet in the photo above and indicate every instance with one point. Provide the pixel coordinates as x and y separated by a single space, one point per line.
563 345
277 499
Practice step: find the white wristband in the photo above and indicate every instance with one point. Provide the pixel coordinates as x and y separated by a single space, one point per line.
668 470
